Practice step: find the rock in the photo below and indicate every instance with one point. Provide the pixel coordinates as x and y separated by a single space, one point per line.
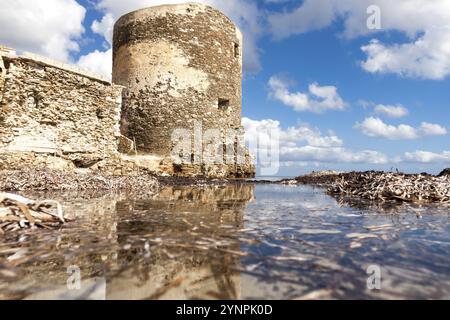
166 166
445 172
126 145
85 161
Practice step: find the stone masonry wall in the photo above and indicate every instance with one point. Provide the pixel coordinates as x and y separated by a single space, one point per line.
180 64
49 112
182 68
174 67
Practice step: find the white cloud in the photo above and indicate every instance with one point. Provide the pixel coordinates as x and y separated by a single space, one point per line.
409 16
98 62
104 27
426 23
292 135
428 57
425 15
47 27
318 99
375 127
303 144
397 111
333 155
244 13
311 15
431 129
427 157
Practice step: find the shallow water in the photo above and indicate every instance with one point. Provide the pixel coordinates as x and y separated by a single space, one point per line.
236 242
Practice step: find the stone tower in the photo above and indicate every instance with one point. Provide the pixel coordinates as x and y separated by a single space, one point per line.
181 66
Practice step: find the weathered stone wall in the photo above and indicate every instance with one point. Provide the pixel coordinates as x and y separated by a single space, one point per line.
47 111
180 64
182 67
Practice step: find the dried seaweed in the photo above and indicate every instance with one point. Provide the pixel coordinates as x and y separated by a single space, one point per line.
382 186
17 212
53 180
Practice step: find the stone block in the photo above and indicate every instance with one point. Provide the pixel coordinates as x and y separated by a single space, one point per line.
126 145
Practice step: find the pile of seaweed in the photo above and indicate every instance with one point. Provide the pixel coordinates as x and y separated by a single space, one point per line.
17 212
54 180
387 186
383 186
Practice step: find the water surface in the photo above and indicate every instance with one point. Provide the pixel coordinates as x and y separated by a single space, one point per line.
237 241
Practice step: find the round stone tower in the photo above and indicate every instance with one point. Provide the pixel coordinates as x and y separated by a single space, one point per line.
181 65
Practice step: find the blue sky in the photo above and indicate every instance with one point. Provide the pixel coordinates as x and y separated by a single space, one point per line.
353 97
323 57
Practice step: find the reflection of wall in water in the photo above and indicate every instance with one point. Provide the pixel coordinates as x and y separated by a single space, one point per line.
190 273
218 204
184 272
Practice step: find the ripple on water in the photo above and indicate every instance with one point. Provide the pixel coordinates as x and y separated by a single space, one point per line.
235 241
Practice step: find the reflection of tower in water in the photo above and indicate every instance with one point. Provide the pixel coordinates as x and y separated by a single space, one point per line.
196 251
181 244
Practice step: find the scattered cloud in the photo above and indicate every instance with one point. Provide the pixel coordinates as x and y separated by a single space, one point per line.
427 157
303 144
311 15
375 127
318 99
54 27
98 62
105 27
397 111
425 55
428 57
431 129
426 14
50 28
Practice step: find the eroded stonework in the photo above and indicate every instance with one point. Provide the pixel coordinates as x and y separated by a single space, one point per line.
174 66
46 110
181 65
